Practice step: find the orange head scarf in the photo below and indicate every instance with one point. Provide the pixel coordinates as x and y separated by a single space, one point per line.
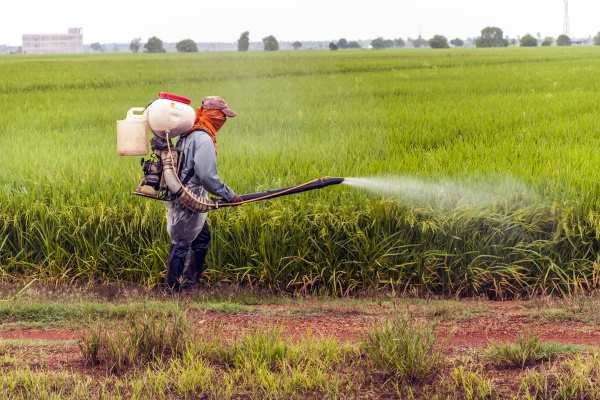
209 121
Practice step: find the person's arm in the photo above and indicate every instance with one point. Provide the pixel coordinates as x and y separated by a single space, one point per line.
205 169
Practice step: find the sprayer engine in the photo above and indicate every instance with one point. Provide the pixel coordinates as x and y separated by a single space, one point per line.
153 184
167 117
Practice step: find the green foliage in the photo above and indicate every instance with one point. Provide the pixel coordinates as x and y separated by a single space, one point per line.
243 43
528 41
576 378
187 46
25 384
66 211
468 384
297 45
404 349
491 36
154 45
526 351
270 43
266 367
147 338
399 42
563 40
457 42
354 45
333 46
438 42
597 39
548 41
135 45
381 43
342 43
97 47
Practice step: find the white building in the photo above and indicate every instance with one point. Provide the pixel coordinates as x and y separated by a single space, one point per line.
71 42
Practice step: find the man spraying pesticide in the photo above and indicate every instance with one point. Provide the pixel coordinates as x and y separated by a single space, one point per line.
185 174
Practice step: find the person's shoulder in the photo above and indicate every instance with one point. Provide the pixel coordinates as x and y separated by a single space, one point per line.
199 136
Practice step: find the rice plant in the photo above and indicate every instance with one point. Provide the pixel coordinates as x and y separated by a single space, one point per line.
527 115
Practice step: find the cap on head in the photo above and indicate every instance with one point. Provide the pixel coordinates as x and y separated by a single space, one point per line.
218 103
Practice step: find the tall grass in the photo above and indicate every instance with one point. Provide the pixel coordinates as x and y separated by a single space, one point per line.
66 211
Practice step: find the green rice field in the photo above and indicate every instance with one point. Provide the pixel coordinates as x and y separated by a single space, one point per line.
519 115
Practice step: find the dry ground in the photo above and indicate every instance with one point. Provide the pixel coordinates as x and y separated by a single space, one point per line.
40 329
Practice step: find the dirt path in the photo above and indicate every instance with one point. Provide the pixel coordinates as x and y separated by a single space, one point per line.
503 323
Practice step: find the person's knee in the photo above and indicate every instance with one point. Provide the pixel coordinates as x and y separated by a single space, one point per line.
180 249
202 241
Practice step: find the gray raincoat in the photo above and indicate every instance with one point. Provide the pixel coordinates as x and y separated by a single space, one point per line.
198 171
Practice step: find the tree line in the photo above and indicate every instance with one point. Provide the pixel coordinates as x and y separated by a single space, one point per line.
491 36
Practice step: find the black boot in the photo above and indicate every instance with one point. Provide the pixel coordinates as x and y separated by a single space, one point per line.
199 250
190 273
176 265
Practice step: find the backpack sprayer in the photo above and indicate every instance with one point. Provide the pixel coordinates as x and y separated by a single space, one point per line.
168 117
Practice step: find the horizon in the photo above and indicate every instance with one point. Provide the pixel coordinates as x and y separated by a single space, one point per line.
303 21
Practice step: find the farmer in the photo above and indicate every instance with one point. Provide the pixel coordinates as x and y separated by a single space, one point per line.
189 232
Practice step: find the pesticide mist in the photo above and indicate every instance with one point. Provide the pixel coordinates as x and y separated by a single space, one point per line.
448 194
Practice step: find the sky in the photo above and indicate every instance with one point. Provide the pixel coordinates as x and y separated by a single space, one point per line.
108 21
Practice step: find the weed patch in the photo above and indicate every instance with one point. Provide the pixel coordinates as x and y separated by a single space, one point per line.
147 338
526 351
404 349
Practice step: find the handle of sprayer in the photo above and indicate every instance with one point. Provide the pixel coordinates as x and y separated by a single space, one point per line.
318 183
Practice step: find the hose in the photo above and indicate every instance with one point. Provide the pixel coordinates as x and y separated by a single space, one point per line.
196 204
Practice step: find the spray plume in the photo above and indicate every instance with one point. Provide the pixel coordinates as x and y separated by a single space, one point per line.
446 194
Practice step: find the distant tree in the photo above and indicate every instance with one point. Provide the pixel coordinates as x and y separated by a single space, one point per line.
135 45
297 45
563 40
354 45
457 42
154 45
333 46
529 41
420 42
270 43
187 46
548 41
97 47
381 43
491 37
342 43
438 42
513 42
243 43
399 42
378 43
597 39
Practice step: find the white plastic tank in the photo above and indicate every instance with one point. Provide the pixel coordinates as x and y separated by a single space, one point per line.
170 113
132 139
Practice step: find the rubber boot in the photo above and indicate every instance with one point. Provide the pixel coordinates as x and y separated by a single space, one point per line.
176 265
197 259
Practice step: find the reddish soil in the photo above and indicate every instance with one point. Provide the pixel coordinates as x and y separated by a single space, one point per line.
347 328
41 334
503 323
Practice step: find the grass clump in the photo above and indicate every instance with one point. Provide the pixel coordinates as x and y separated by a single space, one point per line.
526 351
26 384
468 384
576 378
404 349
147 338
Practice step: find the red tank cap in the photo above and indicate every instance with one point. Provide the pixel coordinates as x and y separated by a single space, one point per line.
174 97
